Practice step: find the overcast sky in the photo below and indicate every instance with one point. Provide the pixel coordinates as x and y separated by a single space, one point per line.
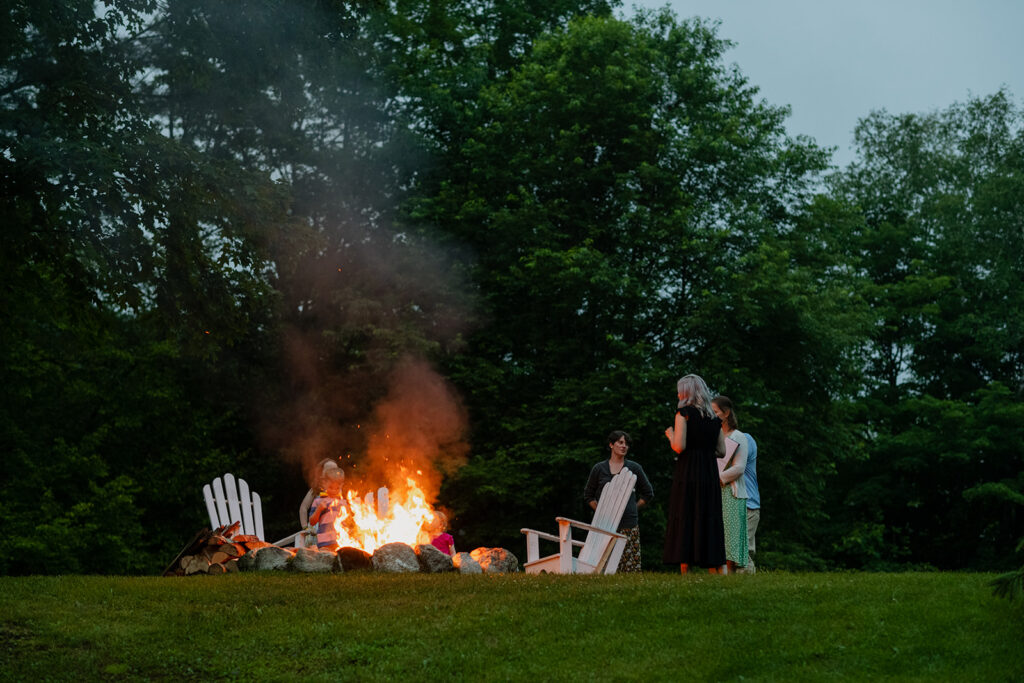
834 61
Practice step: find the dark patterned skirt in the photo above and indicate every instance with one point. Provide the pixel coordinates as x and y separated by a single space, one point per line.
630 562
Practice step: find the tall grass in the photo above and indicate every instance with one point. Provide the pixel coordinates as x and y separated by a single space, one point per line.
365 627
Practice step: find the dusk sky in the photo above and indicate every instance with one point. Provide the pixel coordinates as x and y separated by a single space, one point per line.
834 62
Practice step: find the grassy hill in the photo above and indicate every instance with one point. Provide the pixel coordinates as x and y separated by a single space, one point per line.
772 626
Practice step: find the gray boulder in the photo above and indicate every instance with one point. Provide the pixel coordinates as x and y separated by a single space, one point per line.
466 564
395 558
313 561
495 560
265 559
432 560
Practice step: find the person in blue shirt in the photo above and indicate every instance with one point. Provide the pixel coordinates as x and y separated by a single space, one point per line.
753 503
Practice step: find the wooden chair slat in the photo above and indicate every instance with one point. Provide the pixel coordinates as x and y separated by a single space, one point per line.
211 506
231 489
257 516
222 502
245 502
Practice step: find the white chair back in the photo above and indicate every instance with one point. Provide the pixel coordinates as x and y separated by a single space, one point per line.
607 516
229 500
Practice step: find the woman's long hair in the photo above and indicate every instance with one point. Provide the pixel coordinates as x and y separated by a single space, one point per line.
695 393
725 403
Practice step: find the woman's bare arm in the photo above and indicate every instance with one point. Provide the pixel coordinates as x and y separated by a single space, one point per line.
677 434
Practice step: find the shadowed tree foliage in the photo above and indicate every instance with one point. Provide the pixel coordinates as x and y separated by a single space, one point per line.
636 213
938 481
330 100
106 409
193 191
225 224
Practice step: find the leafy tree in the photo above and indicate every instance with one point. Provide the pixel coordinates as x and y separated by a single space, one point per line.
328 99
941 247
200 200
635 213
111 327
225 225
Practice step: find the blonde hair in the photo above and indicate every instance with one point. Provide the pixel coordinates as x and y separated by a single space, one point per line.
695 392
439 524
318 472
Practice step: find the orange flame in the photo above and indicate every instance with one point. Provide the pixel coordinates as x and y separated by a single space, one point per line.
408 519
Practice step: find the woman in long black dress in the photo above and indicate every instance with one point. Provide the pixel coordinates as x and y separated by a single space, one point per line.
694 533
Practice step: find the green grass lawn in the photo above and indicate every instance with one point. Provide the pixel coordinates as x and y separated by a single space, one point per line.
772 626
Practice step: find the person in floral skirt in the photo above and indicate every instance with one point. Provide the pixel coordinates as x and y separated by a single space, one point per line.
619 443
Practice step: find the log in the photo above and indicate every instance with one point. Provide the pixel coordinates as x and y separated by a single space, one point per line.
189 549
195 565
217 540
232 550
256 545
214 551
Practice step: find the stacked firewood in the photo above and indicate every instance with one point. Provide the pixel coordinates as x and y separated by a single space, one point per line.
213 552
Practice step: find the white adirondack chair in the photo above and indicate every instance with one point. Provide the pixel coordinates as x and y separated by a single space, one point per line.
602 549
231 501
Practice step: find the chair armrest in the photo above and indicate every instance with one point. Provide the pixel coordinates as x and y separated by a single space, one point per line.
588 527
288 539
548 537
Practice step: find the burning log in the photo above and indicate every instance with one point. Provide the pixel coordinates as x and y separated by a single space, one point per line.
354 559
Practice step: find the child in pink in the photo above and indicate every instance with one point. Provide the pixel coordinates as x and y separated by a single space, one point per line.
442 540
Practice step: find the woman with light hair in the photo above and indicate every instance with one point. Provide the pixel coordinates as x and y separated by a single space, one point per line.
694 533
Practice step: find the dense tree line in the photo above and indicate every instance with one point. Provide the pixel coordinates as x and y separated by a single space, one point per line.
225 226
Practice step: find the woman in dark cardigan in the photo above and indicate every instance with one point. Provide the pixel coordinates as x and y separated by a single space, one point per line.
694 532
619 443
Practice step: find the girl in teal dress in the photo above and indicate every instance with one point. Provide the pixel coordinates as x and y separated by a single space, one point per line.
734 487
